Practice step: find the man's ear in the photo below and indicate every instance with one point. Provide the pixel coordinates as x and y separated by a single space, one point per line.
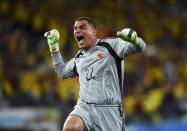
94 32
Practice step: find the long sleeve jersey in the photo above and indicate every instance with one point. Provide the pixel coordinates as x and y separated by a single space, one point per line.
100 69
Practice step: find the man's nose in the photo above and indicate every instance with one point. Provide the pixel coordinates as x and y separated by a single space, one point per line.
77 30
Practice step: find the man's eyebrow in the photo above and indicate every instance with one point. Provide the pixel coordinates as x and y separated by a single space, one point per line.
80 25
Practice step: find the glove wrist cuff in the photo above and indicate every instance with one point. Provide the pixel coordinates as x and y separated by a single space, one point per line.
54 47
137 41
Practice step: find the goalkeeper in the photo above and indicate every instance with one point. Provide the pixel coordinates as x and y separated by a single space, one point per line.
100 66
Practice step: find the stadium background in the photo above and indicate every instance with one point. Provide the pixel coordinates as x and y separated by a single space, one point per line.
33 98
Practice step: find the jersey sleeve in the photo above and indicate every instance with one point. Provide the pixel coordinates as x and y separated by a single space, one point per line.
124 48
62 68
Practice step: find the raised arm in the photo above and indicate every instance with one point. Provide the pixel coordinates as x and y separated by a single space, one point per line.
63 69
126 43
129 42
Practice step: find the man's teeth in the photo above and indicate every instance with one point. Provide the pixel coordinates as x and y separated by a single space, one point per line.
80 38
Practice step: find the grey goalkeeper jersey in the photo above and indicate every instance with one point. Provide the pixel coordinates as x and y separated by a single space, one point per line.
100 69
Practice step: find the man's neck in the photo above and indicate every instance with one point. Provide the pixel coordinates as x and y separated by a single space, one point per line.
92 45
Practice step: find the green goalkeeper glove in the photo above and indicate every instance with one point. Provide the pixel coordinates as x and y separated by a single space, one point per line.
129 35
52 40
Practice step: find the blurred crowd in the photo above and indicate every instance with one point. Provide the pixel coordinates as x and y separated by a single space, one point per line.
155 85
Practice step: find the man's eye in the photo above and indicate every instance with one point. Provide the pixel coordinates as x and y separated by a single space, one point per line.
83 27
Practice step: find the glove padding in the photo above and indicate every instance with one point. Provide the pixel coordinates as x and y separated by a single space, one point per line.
129 35
52 40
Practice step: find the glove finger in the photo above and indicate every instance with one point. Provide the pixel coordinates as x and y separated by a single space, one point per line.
123 37
50 36
118 33
47 34
130 33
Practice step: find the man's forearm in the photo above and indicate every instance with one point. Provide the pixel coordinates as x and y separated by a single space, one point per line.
58 64
56 58
62 68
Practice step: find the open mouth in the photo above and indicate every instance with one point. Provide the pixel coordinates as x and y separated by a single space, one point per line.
79 38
